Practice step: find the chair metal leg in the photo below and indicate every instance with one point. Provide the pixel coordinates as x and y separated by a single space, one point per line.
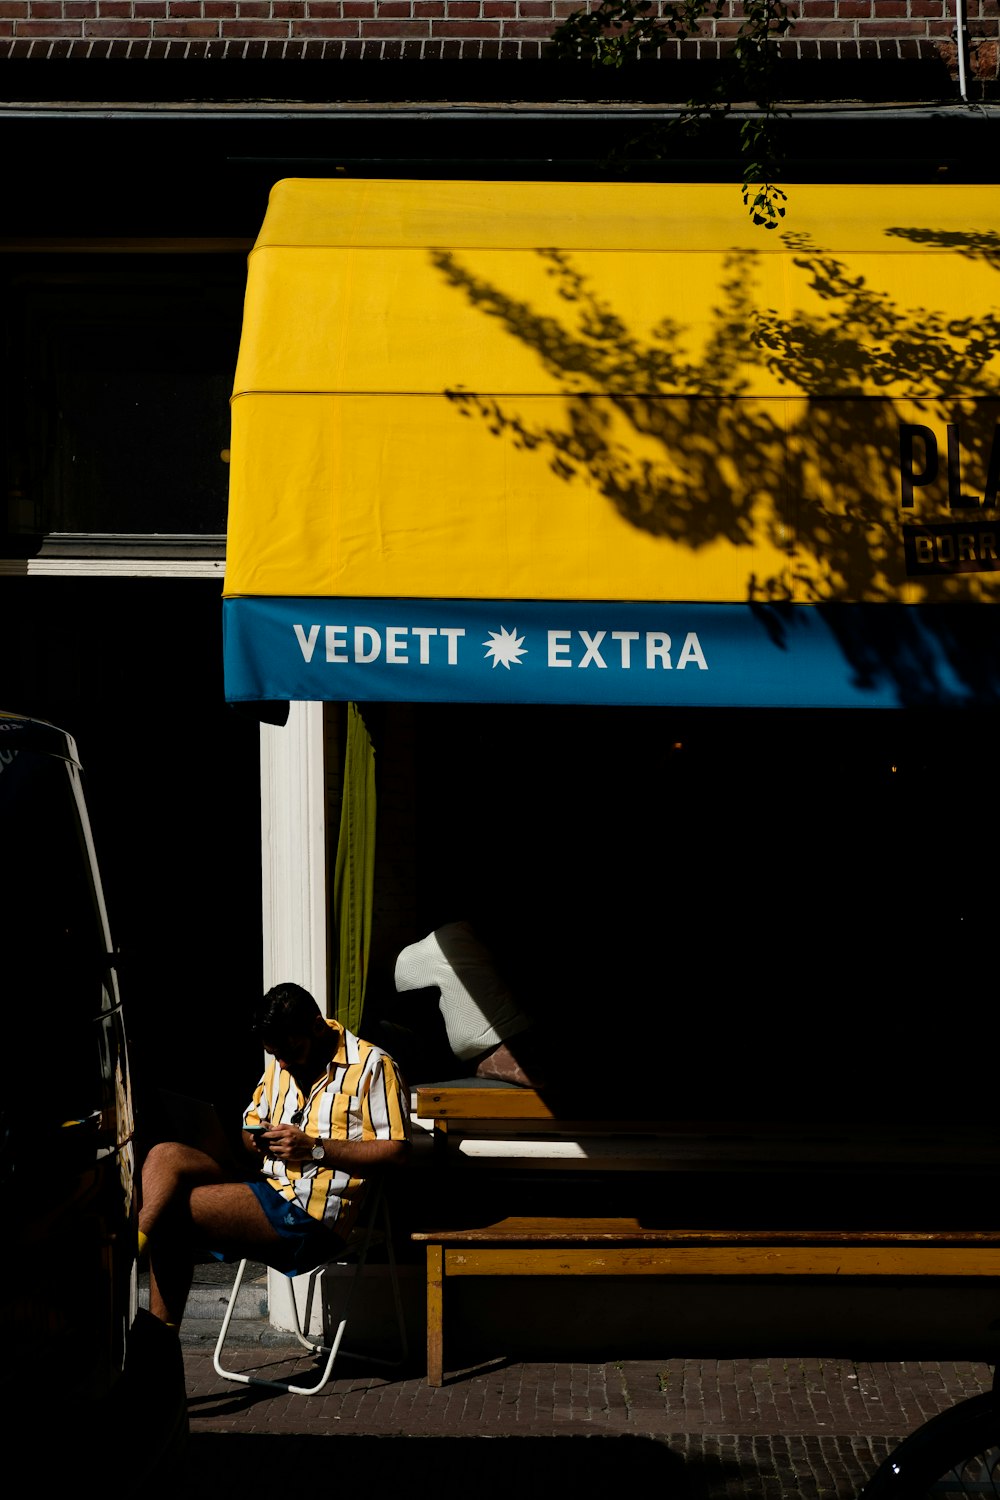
226 1320
379 1209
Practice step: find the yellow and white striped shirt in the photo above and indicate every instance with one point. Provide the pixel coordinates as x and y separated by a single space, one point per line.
359 1098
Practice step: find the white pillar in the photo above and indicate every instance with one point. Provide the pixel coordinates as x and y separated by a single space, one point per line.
294 878
294 851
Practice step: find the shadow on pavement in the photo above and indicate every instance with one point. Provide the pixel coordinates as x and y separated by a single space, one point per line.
224 1462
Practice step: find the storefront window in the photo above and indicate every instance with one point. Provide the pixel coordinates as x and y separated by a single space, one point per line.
120 371
754 914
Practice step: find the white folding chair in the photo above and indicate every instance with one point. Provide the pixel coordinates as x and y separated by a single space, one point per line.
355 1253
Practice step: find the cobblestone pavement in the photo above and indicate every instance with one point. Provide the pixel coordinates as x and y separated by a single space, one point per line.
770 1429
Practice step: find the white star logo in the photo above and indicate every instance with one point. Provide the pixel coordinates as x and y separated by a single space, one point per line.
505 646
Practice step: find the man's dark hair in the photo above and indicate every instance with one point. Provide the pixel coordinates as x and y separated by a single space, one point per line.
286 1010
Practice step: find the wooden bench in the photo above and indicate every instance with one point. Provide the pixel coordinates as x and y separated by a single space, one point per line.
623 1247
477 1126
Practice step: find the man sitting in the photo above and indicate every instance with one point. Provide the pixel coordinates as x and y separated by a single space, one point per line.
328 1110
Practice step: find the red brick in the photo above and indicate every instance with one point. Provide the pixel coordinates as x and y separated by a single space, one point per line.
805 29
515 29
292 9
463 28
247 9
359 7
50 29
388 9
79 10
118 30
893 28
256 30
14 10
372 30
530 8
324 28
109 8
185 28
851 9
216 9
184 10
463 10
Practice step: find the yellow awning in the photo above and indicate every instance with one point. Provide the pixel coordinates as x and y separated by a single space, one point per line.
582 391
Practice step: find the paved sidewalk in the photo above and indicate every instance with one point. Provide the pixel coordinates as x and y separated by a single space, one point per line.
767 1429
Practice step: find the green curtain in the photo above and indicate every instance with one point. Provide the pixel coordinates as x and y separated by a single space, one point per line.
354 873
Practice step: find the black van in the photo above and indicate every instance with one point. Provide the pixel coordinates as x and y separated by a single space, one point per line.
92 1375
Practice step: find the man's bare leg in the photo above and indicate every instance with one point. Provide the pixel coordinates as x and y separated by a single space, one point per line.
169 1174
222 1216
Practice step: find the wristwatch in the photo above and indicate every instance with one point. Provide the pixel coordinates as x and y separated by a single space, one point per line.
317 1153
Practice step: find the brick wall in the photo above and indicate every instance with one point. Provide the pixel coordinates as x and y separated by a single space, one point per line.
415 30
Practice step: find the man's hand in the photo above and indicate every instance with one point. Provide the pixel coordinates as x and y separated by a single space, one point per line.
289 1143
255 1142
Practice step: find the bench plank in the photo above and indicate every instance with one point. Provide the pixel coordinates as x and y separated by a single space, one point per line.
538 1230
722 1260
482 1104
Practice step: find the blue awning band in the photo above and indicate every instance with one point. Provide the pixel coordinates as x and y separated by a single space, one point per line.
605 653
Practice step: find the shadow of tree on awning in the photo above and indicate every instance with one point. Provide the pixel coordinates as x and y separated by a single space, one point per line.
786 433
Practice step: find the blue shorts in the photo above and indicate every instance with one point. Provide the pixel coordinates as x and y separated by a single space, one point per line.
305 1241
